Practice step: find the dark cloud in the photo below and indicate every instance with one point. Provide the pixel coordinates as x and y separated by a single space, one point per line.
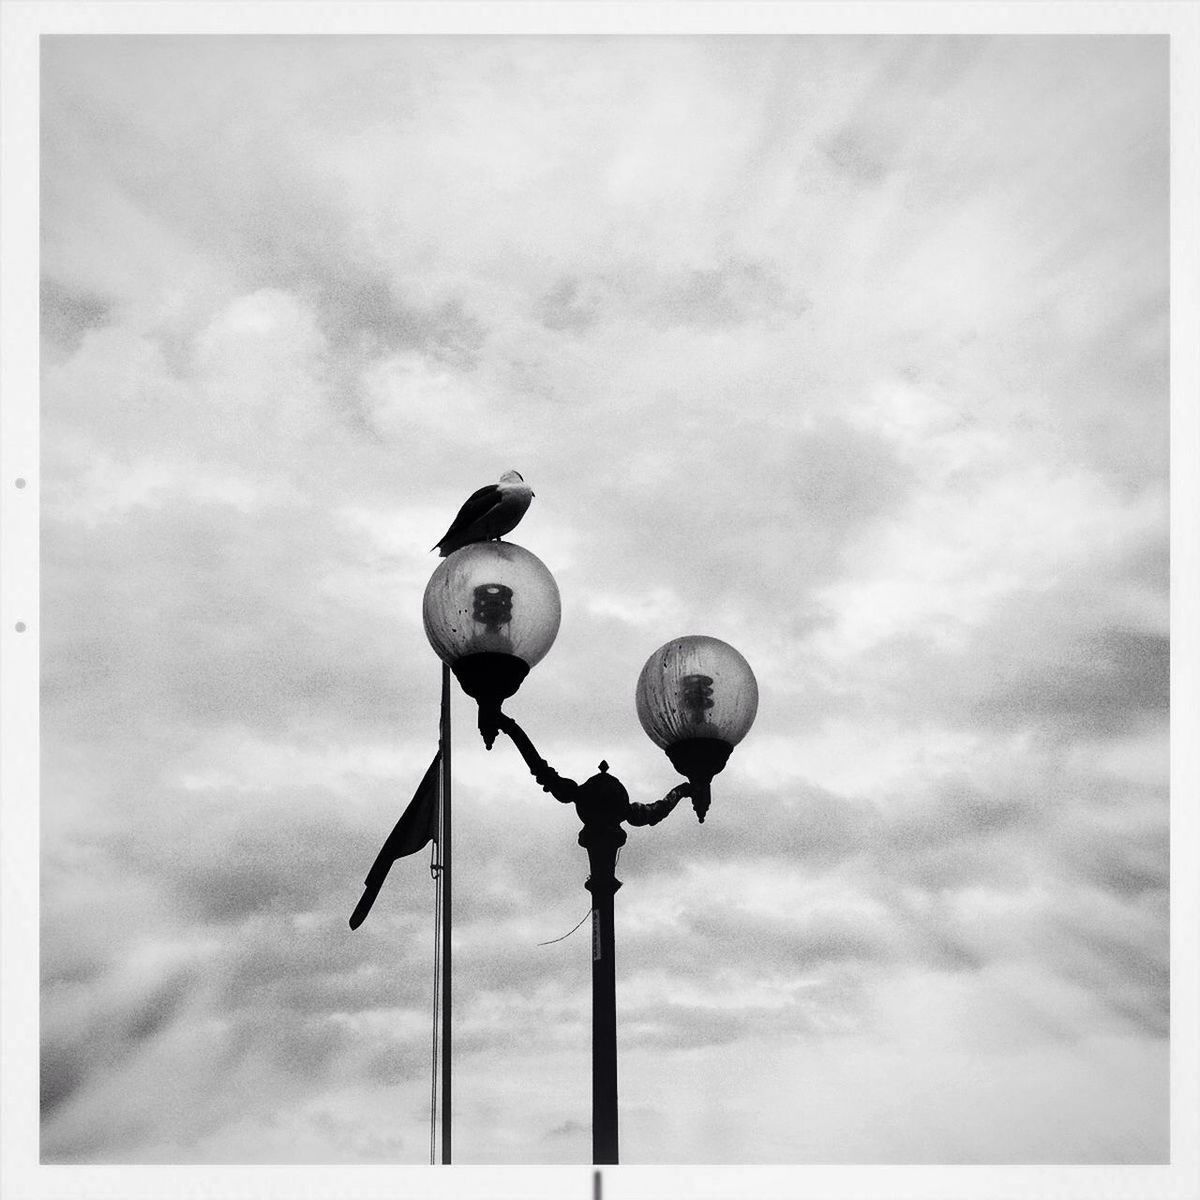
294 855
318 968
983 862
858 153
71 964
569 1128
84 1144
804 824
160 1008
568 307
1110 953
363 316
1129 857
735 293
1051 659
780 515
62 1072
1102 683
251 197
732 294
66 315
673 1026
283 970
958 835
397 1063
117 1025
836 1002
790 942
200 614
308 1047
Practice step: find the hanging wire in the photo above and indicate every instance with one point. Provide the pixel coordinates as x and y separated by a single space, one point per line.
568 934
436 871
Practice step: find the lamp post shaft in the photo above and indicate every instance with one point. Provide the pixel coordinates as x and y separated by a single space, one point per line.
602 844
603 806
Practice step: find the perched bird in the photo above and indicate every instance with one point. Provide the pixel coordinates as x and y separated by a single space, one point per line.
488 514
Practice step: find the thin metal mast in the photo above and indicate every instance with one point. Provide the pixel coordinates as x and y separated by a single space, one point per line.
446 911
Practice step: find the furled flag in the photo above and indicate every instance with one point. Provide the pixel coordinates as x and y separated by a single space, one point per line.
416 828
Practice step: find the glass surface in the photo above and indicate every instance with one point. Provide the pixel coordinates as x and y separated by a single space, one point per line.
696 687
492 597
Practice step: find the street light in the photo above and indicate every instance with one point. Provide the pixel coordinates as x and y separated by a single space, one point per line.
697 698
491 613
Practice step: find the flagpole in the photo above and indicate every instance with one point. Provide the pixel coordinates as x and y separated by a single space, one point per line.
446 911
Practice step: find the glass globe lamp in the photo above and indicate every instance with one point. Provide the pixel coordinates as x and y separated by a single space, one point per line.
491 612
697 698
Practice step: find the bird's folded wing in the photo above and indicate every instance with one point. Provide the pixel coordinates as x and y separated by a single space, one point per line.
477 504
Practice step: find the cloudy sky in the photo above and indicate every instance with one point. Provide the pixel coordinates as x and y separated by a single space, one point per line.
850 351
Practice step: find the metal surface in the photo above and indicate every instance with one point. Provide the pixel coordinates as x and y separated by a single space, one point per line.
602 843
603 806
446 913
490 678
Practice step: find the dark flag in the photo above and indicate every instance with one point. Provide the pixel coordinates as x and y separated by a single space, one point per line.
416 828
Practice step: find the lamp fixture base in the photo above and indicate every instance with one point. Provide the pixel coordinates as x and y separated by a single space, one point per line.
700 759
490 678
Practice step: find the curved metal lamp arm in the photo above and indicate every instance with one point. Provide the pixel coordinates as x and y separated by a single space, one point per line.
651 814
563 790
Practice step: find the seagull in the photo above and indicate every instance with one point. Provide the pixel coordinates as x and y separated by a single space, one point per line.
488 514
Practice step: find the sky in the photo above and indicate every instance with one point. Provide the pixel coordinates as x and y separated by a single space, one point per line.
849 351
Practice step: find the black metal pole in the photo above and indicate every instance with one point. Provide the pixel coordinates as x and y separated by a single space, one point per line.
447 910
603 804
602 844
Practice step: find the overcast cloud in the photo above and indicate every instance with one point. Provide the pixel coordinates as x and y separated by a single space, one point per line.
850 351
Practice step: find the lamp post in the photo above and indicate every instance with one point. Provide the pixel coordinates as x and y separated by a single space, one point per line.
491 612
696 697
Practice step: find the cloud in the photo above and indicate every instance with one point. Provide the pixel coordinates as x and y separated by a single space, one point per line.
195 612
807 343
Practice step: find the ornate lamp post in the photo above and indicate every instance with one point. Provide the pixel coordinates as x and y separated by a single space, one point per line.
492 612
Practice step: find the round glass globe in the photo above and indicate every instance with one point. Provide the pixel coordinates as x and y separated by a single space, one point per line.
696 687
492 598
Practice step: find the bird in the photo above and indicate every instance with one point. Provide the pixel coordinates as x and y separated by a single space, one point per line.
488 514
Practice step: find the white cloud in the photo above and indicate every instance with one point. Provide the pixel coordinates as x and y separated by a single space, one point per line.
409 397
988 522
807 343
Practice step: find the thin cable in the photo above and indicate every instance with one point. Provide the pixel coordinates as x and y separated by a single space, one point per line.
567 935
